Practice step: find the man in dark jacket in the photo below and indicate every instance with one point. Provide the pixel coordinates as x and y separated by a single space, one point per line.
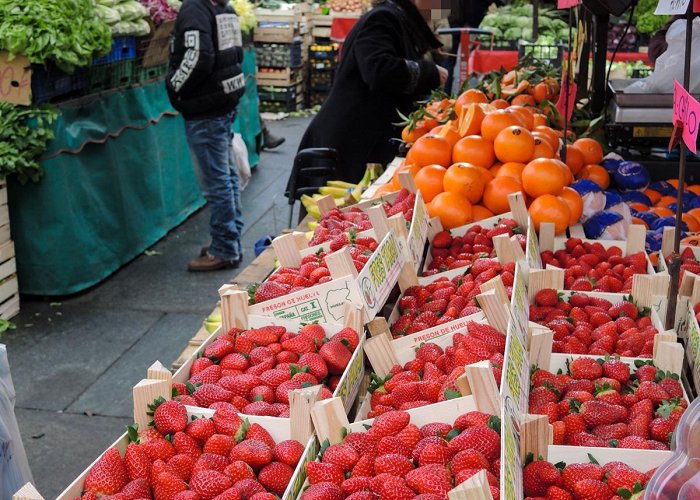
381 71
204 83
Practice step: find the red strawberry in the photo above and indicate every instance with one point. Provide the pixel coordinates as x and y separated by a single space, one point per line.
538 476
394 464
167 485
652 391
267 290
299 344
602 413
209 483
347 335
108 476
138 488
336 355
443 239
585 368
547 298
207 394
315 363
624 477
318 472
288 452
275 477
323 491
481 438
253 452
573 473
342 455
388 424
617 370
430 479
487 334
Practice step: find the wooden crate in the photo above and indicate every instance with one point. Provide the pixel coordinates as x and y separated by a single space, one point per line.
282 34
284 78
9 289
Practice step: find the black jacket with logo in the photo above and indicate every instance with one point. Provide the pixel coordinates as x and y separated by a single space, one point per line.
205 79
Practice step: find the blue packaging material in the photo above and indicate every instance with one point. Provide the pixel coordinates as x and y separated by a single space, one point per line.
648 217
653 241
664 188
610 164
632 176
604 225
635 197
262 244
669 221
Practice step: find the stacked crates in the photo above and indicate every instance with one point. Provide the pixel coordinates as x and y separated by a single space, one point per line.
323 61
279 52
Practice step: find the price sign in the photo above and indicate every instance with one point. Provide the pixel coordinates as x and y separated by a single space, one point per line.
15 80
511 464
671 7
686 110
562 104
565 4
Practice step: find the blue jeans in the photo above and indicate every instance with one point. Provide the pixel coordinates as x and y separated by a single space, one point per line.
212 154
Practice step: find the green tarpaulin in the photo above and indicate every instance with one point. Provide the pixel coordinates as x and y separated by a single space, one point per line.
117 178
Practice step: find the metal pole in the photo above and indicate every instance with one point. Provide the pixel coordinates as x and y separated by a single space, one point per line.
535 19
600 61
567 89
675 264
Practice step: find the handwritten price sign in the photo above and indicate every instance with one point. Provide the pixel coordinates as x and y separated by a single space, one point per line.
15 80
671 7
565 4
686 110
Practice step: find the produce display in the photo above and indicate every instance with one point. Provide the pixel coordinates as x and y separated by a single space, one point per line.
512 23
430 377
444 300
593 325
397 459
125 18
24 134
254 369
68 33
278 55
348 5
224 456
606 403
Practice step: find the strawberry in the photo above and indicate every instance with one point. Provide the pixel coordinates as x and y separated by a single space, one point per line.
323 491
342 455
315 363
336 355
108 476
184 444
207 394
573 473
434 453
590 489
557 493
267 290
253 452
167 485
646 373
137 463
443 239
275 477
347 335
263 336
481 438
238 470
546 298
299 344
394 464
247 488
430 479
602 413
138 488
585 368
209 483
652 391
388 424
169 417
318 472
538 476
209 375
624 477
617 370
487 334
288 452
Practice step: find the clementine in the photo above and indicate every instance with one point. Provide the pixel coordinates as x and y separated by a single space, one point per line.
523 100
466 180
411 135
665 201
638 206
695 212
384 190
574 159
575 203
429 181
471 96
499 103
470 122
511 169
637 220
596 173
654 196
549 208
480 212
542 149
452 209
496 121
497 191
591 149
525 114
431 150
694 188
448 132
474 149
539 119
514 143
413 169
691 222
662 211
544 176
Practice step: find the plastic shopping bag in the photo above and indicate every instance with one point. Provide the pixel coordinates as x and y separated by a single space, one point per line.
240 156
669 65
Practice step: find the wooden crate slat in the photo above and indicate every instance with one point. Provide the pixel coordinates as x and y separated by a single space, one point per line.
7 251
5 233
8 269
8 288
4 215
10 308
3 195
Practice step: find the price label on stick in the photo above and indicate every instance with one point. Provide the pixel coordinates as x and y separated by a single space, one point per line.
671 7
562 104
565 4
686 111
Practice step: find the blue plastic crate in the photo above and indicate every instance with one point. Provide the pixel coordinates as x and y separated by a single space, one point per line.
123 47
49 83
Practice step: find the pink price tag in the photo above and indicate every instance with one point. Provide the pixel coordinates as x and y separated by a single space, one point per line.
561 103
565 4
686 110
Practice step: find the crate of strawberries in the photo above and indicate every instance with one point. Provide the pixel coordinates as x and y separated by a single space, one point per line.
418 453
255 365
196 453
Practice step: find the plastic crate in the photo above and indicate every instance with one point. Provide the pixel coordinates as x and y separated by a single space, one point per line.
49 83
110 76
323 52
283 94
123 47
642 72
153 73
322 65
321 81
552 54
279 55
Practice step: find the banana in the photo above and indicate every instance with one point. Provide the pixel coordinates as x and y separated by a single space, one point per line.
312 225
313 211
341 184
336 192
309 235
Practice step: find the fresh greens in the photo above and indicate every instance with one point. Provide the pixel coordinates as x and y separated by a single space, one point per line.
645 20
24 134
65 31
514 22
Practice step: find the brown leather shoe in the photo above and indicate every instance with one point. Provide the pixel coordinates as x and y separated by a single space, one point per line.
204 251
210 263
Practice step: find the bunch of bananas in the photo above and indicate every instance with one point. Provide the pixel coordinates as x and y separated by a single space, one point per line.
344 193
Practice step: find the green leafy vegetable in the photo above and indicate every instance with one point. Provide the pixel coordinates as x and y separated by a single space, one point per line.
24 133
67 32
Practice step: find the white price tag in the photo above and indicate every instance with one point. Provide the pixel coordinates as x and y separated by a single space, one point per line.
671 7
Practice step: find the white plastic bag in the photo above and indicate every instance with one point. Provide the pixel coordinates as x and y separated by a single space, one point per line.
14 467
669 65
240 156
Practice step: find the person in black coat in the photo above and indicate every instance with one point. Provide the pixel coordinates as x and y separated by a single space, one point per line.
381 70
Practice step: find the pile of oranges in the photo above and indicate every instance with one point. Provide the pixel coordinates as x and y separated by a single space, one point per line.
467 167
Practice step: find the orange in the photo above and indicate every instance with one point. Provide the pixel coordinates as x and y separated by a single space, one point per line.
429 181
471 96
694 188
470 123
636 220
410 136
514 143
542 149
495 169
403 168
691 222
499 103
654 196
474 149
526 116
575 203
591 149
523 100
574 159
497 191
384 190
511 169
550 133
673 182
549 208
451 134
546 138
662 211
544 176
496 121
452 209
431 150
480 212
466 180
596 173
539 92
539 120
695 212
639 207
485 174
666 201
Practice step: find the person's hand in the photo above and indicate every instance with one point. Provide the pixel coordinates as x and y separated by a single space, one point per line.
443 75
